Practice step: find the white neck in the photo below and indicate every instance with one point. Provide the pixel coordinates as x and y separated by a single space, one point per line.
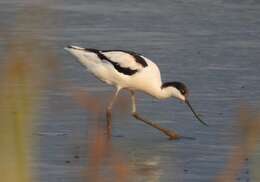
164 93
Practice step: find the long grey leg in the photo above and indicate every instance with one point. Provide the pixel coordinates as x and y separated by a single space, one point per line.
172 135
109 112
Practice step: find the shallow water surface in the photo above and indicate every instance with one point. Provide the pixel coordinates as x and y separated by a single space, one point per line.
212 46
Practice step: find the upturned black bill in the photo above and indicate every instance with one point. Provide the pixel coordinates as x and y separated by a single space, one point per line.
195 114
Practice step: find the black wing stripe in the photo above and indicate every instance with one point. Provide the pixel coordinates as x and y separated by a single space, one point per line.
138 58
126 71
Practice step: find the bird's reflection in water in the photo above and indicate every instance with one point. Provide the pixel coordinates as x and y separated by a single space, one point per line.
147 169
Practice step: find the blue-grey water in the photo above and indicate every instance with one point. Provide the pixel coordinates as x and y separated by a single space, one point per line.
211 45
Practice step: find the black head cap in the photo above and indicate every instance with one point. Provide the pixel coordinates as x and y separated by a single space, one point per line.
178 85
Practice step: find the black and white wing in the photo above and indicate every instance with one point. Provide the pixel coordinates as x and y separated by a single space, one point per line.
125 62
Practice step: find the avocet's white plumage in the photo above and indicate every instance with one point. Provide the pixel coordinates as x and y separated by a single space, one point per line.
131 71
124 59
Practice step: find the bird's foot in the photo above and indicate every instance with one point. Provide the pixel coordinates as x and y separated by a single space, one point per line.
175 136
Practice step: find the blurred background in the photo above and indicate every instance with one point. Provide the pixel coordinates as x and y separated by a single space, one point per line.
51 109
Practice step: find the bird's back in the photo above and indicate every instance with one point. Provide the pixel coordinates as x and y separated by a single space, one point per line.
118 67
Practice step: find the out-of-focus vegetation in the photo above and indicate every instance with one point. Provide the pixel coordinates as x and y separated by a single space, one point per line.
101 152
248 143
24 68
